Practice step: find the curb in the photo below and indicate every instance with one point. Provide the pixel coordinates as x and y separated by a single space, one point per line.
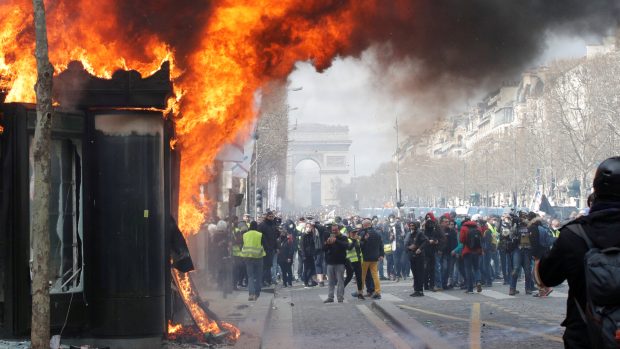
253 326
410 326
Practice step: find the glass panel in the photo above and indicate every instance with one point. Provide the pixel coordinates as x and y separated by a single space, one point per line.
65 262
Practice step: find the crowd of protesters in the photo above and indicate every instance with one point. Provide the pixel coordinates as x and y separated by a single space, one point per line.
437 253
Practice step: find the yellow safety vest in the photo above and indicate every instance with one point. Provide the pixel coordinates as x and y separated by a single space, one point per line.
343 230
252 246
494 233
555 233
352 253
236 248
387 248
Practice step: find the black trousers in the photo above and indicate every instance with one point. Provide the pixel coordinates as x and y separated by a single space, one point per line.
417 269
354 268
267 264
240 275
309 270
287 273
429 280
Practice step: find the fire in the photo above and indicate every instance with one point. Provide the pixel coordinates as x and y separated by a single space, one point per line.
221 61
172 328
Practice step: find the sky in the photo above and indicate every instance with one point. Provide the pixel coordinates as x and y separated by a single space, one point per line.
349 93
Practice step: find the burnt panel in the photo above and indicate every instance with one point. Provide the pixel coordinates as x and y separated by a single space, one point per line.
76 88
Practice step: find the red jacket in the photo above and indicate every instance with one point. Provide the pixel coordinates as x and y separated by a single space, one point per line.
463 237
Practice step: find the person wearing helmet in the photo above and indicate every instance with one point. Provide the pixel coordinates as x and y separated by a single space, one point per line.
565 260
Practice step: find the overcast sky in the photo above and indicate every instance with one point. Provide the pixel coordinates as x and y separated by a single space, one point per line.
349 94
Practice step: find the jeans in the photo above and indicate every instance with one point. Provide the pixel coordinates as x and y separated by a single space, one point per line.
354 268
300 266
319 260
496 264
308 270
254 267
506 258
405 265
372 267
390 264
488 274
521 259
335 275
287 273
443 269
398 266
381 271
472 270
274 268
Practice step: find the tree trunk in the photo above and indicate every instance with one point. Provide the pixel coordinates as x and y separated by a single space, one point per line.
40 333
583 191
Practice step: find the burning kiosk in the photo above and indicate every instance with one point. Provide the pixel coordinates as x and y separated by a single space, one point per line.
110 200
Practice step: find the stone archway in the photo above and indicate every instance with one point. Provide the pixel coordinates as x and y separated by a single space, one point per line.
326 145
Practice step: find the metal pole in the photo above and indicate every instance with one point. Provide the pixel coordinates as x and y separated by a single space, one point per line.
398 198
255 173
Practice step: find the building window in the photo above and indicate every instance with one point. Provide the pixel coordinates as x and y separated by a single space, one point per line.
65 216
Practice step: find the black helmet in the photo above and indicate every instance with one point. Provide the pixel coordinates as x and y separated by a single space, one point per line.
607 178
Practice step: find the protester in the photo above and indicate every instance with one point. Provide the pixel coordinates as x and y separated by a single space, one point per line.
286 253
471 238
415 248
354 262
565 261
253 251
372 250
335 248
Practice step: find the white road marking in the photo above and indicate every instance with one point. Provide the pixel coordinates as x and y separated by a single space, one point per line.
496 295
558 294
441 296
324 297
389 297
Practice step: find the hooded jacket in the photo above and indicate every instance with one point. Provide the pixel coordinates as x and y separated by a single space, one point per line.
566 259
537 250
463 237
431 230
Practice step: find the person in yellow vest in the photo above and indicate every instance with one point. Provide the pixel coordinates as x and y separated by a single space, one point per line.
253 253
353 264
240 276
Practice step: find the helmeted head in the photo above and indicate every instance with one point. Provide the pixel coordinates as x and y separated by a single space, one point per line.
606 181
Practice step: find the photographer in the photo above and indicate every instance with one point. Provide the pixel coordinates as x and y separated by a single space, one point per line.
335 248
415 248
585 327
372 251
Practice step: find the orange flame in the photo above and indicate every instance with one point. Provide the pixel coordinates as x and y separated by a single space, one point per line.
241 46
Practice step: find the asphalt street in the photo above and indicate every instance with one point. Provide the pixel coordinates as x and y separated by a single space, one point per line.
490 319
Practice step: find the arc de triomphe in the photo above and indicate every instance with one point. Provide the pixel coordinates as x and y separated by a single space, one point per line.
326 145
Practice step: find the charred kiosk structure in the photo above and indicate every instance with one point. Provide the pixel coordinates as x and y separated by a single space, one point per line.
110 201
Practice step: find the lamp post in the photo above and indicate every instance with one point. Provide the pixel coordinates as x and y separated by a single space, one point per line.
398 191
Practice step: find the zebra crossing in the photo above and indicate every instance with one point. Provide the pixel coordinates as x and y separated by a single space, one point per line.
455 296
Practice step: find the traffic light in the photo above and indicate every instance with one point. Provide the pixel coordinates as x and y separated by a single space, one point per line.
259 200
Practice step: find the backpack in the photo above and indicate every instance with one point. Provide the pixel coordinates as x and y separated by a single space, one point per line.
474 238
545 238
602 275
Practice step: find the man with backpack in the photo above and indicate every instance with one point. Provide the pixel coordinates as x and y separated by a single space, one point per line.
587 254
471 238
541 241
